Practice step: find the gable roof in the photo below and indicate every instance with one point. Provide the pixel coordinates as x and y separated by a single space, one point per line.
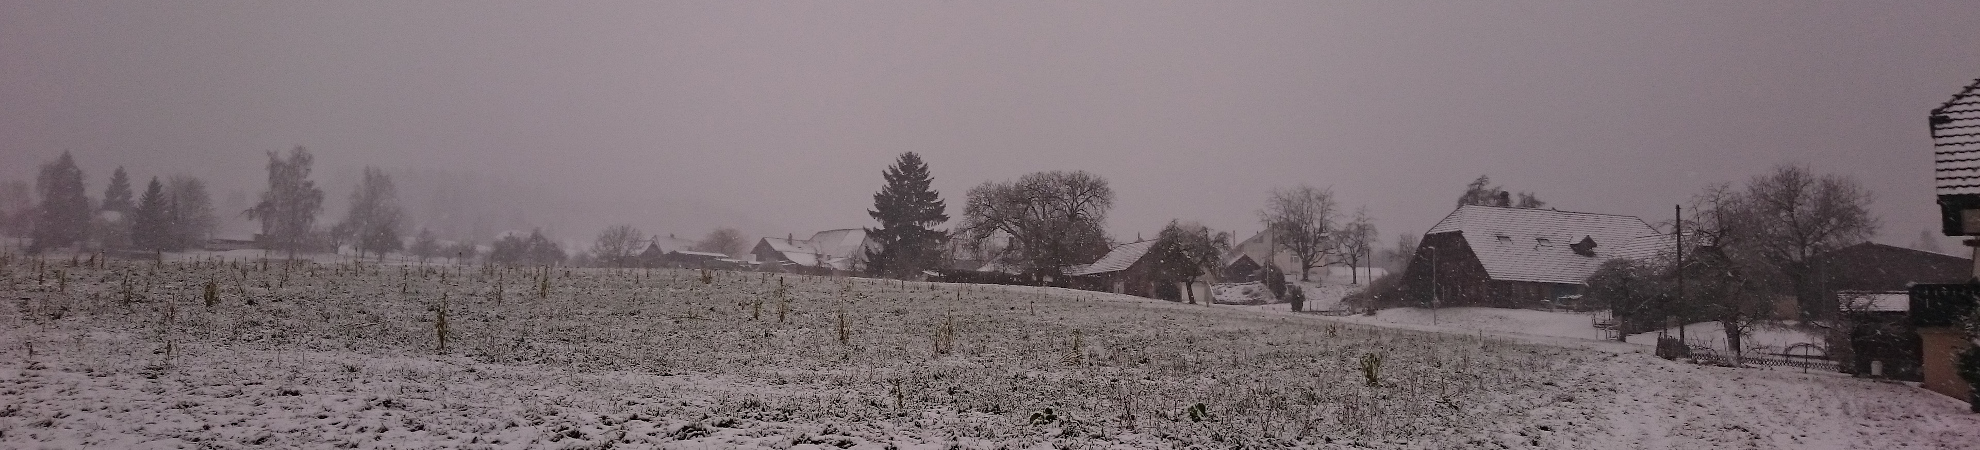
838 248
670 243
1956 142
843 243
1524 244
1240 258
1116 260
1874 266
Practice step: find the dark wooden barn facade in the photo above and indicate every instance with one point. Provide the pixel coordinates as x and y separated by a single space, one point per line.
1518 257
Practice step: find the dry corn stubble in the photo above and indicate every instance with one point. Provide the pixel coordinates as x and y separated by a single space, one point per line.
1264 381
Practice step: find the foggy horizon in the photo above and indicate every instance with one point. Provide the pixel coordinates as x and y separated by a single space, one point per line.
778 118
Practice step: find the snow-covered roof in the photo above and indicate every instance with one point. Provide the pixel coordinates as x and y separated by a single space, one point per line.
998 267
838 248
839 243
1864 301
1233 259
1956 142
1525 244
1116 260
670 243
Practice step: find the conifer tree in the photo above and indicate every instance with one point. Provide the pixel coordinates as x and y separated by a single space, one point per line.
907 207
114 230
63 216
151 223
192 211
117 197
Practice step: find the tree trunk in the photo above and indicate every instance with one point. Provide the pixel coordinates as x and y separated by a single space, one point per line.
1732 336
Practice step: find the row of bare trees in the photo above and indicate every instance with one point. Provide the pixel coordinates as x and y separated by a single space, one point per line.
1746 249
621 245
1308 222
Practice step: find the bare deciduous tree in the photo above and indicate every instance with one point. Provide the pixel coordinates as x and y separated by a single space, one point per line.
1303 220
1045 220
1730 278
288 208
16 209
726 241
463 252
1356 242
1396 259
425 245
1482 192
616 245
1796 214
375 219
1186 251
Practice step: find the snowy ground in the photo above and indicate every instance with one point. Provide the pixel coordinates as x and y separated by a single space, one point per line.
1770 338
338 356
1765 338
1319 296
1543 323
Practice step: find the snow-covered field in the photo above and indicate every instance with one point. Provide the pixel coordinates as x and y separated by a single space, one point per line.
332 355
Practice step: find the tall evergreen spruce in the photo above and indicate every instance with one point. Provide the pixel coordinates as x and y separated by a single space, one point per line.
907 207
192 211
64 211
151 222
117 197
114 230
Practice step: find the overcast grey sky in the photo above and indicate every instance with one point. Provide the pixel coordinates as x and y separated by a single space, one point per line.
778 116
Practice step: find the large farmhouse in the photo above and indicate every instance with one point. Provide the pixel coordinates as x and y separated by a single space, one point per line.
1519 257
829 250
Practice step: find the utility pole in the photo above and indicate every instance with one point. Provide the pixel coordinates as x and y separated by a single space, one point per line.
1677 230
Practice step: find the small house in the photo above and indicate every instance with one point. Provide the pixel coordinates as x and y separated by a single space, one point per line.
1128 269
1241 269
1879 340
1122 271
1938 311
1862 288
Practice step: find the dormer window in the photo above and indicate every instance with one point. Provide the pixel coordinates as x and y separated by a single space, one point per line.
1543 242
1503 238
1584 248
